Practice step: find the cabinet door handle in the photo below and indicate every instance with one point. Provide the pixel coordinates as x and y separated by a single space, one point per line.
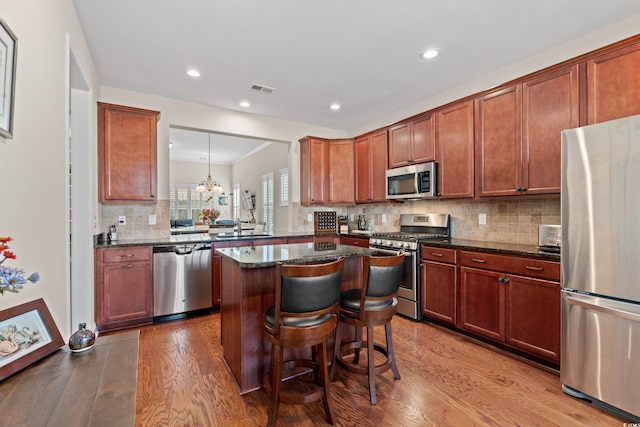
500 279
507 280
436 254
477 260
126 256
528 267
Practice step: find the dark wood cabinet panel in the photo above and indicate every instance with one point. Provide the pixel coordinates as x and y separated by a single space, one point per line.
482 307
371 164
613 89
327 171
127 153
512 300
362 242
439 291
498 148
413 141
533 316
455 151
123 287
340 170
550 105
314 163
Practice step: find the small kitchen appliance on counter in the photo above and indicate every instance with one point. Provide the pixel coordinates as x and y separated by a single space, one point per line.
343 223
550 238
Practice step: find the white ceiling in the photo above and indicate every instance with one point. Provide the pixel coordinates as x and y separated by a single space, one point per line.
363 54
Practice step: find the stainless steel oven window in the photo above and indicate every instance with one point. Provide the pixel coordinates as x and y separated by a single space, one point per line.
408 284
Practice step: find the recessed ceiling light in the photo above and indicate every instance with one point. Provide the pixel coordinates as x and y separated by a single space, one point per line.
245 104
335 107
431 53
193 73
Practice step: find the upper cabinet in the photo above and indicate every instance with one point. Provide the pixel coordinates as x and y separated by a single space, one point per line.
413 141
314 171
455 151
371 164
127 153
613 89
326 171
518 134
341 172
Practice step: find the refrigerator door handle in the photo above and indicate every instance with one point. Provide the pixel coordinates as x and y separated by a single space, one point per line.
603 308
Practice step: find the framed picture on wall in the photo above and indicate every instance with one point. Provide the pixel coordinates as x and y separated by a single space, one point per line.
8 59
27 334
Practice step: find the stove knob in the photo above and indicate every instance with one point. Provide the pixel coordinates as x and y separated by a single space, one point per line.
407 244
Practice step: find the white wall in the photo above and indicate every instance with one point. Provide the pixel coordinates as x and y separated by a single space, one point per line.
33 171
248 172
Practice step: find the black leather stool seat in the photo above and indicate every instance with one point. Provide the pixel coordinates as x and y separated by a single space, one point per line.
350 300
296 322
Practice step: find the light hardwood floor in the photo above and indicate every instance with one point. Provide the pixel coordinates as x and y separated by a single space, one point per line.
447 380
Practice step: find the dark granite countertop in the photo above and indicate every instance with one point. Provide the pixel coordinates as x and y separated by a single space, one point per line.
472 245
296 253
519 249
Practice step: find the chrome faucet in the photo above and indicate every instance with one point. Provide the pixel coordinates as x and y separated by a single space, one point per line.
239 225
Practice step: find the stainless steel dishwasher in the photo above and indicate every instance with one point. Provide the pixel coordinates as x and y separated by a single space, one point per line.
181 280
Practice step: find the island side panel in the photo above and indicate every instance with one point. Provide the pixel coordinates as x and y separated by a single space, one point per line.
230 322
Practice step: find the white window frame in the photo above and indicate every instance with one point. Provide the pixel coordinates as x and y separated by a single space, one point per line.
268 202
284 187
236 201
195 201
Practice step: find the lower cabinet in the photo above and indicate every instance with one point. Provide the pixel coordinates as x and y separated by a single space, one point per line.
123 287
512 300
438 279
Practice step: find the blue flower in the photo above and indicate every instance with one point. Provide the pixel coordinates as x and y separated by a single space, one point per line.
34 277
11 279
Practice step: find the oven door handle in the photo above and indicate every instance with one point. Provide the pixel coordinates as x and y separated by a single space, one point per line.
388 251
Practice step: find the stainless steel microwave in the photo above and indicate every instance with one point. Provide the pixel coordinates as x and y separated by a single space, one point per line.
412 182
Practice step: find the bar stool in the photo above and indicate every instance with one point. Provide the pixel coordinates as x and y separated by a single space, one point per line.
372 305
305 315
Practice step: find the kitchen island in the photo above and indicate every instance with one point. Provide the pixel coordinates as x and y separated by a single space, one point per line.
248 290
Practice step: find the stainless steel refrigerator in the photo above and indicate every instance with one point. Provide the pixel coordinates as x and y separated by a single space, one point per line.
600 211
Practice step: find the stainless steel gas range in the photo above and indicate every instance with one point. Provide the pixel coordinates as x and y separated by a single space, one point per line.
414 228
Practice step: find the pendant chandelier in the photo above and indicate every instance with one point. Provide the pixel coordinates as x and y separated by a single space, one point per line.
210 186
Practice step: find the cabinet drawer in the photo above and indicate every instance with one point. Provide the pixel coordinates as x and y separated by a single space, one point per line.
354 241
511 264
129 254
433 253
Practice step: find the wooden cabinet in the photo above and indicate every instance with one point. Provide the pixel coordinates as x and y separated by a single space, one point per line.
613 89
123 287
512 300
326 171
362 242
550 104
341 172
371 164
314 171
127 154
413 141
455 151
438 283
518 134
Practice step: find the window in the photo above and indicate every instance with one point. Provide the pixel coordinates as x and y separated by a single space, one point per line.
284 187
236 201
185 203
268 202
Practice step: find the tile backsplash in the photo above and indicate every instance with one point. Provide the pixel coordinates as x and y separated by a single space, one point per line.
513 221
137 226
